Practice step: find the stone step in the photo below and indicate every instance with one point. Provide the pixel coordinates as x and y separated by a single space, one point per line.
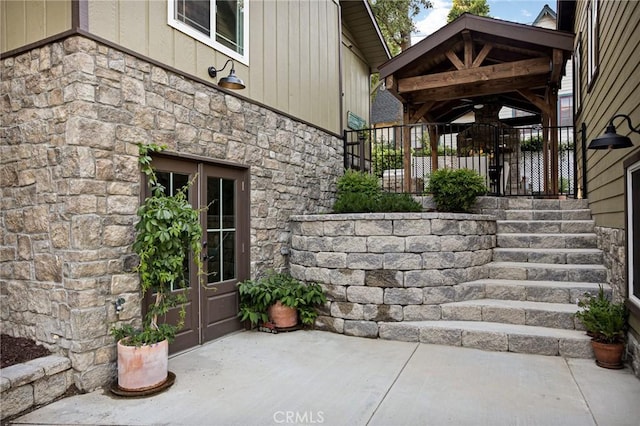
548 255
492 337
547 272
543 204
533 291
531 240
545 226
522 312
581 214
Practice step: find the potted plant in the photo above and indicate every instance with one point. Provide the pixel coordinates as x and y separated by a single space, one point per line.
606 323
279 299
168 230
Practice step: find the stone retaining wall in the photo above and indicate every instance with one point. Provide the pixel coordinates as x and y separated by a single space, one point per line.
34 383
389 266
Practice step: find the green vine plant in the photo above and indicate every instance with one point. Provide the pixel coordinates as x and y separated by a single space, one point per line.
167 232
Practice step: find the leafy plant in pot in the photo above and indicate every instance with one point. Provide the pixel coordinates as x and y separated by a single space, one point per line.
606 323
280 299
168 230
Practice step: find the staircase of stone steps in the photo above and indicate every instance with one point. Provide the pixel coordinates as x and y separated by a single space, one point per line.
546 258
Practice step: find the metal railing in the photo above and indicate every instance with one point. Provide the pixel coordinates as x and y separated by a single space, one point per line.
512 160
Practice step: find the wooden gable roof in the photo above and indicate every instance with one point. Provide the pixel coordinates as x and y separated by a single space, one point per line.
476 60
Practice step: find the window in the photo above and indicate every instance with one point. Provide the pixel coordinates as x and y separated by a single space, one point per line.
565 113
592 41
633 231
221 24
577 74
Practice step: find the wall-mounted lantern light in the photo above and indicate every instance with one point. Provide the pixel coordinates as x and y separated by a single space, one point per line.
231 81
612 140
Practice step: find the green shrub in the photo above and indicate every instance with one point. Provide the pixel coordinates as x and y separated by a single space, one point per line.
533 144
604 320
456 190
360 192
385 157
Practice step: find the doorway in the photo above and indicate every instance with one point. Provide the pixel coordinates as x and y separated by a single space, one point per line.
221 193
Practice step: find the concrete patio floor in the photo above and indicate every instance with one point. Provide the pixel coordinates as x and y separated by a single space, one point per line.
313 377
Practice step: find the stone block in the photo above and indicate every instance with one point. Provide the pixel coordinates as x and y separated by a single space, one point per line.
331 260
16 400
48 267
347 277
373 227
361 329
438 295
540 345
124 283
20 374
485 340
386 244
51 364
439 260
383 278
383 313
88 323
399 331
548 294
503 315
4 384
336 293
339 228
365 294
49 388
444 227
441 336
403 296
319 244
402 261
461 312
508 273
318 275
564 320
576 348
423 278
347 310
505 292
421 312
326 323
350 244
422 243
460 243
302 258
406 227
364 261
470 291
95 377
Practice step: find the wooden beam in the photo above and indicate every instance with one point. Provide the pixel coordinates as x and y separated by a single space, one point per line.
454 59
523 68
468 49
421 112
536 100
406 147
479 89
482 55
556 67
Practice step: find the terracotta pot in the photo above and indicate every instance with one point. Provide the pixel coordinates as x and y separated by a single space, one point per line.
143 367
282 316
608 355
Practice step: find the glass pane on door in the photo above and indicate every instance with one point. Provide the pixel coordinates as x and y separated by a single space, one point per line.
221 231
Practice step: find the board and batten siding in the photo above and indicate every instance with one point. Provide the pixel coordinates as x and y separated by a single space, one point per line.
356 79
293 51
27 21
616 89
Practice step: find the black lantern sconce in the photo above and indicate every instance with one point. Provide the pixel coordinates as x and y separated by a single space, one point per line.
610 139
231 81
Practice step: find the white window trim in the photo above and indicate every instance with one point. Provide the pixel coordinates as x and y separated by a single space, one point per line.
593 30
211 41
630 231
577 76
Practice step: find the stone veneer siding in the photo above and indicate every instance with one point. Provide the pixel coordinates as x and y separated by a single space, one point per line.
389 266
72 114
612 242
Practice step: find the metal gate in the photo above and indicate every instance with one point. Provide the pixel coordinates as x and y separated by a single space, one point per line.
513 160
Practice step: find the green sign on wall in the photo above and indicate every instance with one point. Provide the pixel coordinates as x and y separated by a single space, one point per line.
355 122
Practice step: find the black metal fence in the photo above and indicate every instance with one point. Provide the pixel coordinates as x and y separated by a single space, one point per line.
513 160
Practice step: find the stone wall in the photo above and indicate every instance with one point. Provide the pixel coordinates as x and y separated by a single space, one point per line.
390 266
72 113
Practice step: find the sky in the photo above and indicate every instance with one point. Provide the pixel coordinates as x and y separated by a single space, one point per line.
522 11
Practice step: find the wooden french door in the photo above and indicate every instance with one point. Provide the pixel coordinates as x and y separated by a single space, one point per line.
222 195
